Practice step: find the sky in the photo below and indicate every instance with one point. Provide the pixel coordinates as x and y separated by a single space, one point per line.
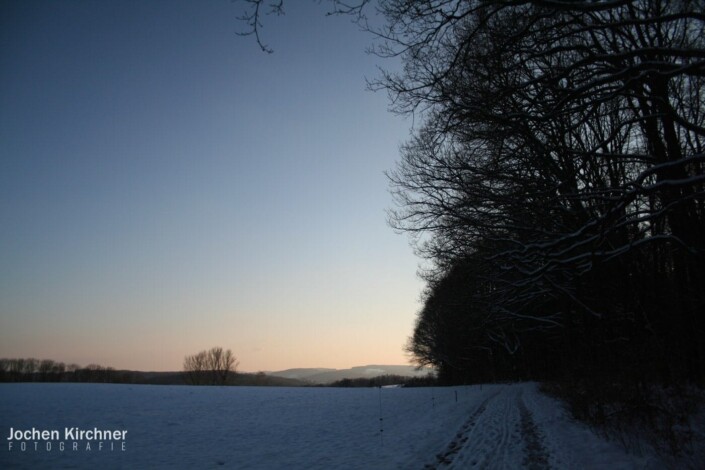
166 187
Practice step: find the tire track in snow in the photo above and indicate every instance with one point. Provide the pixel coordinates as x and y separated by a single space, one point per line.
535 454
446 457
500 434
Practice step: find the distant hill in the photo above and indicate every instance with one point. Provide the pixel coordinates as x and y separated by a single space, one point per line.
322 376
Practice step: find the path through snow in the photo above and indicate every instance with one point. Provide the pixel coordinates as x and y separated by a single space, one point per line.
518 427
500 433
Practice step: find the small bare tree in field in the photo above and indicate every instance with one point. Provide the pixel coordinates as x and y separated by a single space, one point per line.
210 367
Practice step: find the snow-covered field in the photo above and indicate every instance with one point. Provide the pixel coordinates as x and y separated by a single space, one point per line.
491 426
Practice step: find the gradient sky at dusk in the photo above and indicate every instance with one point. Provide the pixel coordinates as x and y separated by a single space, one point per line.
166 187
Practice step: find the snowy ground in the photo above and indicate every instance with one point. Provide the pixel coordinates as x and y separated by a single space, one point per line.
491 426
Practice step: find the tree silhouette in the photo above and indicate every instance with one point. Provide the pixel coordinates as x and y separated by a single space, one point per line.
562 143
556 181
211 367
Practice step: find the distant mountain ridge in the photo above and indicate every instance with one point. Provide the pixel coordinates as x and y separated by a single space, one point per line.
324 376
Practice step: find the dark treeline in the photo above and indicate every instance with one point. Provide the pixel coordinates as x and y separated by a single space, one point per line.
386 380
554 182
556 186
47 370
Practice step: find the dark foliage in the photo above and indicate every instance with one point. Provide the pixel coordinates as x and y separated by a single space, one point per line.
385 380
47 370
557 185
633 412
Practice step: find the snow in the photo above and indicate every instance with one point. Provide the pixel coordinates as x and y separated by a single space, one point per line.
491 426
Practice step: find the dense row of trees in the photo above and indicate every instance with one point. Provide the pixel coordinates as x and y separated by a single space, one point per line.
386 380
556 183
47 370
211 367
379 381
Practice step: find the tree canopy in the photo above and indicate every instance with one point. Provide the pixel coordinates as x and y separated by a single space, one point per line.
556 182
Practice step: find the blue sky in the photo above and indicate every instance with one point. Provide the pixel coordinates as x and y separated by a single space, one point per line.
165 187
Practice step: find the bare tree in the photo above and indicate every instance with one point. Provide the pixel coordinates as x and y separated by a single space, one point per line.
563 141
194 367
562 145
210 367
46 368
228 365
255 10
